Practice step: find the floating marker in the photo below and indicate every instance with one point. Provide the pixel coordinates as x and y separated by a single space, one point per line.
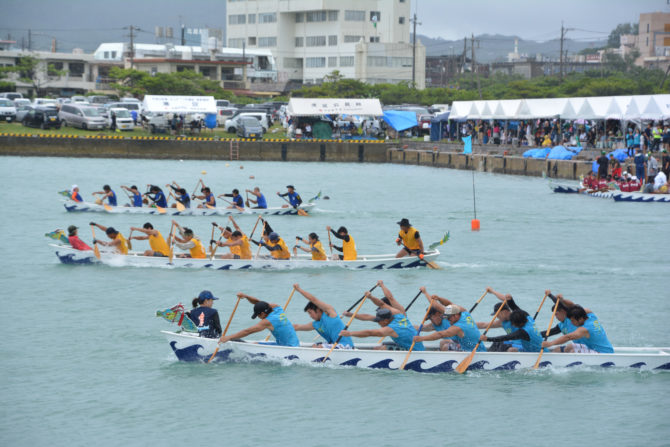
474 225
204 172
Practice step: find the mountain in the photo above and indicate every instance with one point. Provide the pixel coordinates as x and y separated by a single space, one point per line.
495 47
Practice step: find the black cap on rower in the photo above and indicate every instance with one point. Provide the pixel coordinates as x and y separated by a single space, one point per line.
261 307
496 306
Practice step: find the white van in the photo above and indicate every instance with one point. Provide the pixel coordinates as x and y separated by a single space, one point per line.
11 95
231 124
45 102
86 117
124 121
7 110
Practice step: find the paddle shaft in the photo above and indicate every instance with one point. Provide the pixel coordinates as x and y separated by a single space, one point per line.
330 243
285 306
130 244
478 301
551 321
171 243
96 250
463 366
216 351
411 348
345 328
196 187
539 308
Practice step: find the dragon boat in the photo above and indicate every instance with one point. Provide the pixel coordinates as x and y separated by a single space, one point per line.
190 347
90 207
68 255
640 197
564 188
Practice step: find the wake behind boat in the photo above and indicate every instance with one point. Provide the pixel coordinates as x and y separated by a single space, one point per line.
192 348
90 207
68 255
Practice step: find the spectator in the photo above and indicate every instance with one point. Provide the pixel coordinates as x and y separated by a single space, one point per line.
603 165
640 162
652 167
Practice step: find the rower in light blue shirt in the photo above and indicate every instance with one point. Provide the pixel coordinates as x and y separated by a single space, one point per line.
588 337
326 321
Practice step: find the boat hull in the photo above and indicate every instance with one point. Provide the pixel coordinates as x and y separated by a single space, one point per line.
88 207
191 348
641 197
68 255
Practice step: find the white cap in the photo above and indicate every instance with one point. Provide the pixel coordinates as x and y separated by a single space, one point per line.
73 187
634 177
625 172
452 310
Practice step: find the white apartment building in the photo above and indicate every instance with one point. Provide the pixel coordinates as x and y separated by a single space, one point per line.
368 40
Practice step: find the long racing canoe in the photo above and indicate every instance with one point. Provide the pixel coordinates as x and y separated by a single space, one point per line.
89 207
190 347
68 255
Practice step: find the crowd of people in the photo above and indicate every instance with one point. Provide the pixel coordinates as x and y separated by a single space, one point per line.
452 325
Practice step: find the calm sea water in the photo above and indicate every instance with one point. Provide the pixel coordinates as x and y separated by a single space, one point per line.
83 360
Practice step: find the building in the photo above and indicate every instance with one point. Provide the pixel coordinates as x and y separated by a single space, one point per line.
653 40
366 40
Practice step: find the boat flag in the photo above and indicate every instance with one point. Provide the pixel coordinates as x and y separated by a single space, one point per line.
316 197
445 238
176 314
58 235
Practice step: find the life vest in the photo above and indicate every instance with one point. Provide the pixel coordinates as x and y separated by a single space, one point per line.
349 249
280 254
245 249
123 246
317 252
234 249
158 244
197 252
409 239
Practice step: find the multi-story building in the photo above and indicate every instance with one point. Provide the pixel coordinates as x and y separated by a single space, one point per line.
653 40
368 40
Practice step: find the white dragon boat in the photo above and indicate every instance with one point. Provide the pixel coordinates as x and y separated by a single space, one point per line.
68 255
640 197
90 207
564 188
192 348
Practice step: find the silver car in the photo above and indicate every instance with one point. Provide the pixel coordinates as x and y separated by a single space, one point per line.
249 127
86 117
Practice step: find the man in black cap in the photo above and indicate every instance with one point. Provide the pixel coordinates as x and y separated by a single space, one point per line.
205 316
409 238
74 240
272 318
238 201
118 242
293 197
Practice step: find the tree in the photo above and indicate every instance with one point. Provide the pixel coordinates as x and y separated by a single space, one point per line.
622 28
333 76
32 71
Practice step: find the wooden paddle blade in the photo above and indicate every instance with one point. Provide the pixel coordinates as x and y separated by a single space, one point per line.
302 212
180 207
161 209
433 265
539 357
107 207
96 251
463 366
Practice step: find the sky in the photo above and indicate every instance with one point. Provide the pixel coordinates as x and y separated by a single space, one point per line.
85 23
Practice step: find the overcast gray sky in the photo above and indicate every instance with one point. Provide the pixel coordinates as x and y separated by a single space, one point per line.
85 23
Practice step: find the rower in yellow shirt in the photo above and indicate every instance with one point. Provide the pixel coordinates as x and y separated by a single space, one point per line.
118 242
348 248
409 238
159 247
276 246
237 241
315 247
189 242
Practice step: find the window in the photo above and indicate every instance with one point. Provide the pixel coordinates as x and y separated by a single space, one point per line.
332 61
346 61
251 18
374 39
299 42
332 41
375 16
354 16
299 17
315 62
292 62
401 20
332 16
76 69
106 55
236 43
384 61
316 16
352 39
237 19
315 41
267 17
113 54
252 41
264 42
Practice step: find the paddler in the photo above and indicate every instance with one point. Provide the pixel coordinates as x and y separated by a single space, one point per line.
238 201
74 194
409 238
293 197
326 321
118 242
315 247
397 326
584 330
136 195
159 247
74 240
437 320
158 197
208 197
189 242
205 316
272 318
348 247
260 201
181 195
503 321
106 193
463 330
237 241
276 246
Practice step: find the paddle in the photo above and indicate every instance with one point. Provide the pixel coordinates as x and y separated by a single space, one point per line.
96 250
345 327
225 330
196 187
463 366
107 207
330 244
551 321
541 304
479 301
171 243
411 348
211 249
130 244
180 206
406 309
246 193
300 211
285 306
430 264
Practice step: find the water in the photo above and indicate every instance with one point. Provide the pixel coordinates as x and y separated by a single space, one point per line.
83 359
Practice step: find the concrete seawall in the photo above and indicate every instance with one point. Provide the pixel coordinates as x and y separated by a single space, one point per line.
444 156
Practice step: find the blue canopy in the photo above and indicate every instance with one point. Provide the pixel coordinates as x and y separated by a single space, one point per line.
537 153
400 119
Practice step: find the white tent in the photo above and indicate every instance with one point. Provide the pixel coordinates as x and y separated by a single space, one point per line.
506 109
179 104
595 108
486 112
617 107
653 110
334 106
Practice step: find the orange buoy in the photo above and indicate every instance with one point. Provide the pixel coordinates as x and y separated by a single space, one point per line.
474 225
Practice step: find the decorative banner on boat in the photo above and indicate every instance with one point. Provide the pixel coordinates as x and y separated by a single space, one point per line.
58 235
444 239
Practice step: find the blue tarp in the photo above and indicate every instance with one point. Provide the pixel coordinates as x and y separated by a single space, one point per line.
541 152
400 119
438 124
563 153
467 146
619 154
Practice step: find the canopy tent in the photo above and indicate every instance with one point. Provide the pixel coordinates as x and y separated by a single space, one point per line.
617 108
334 106
179 104
437 123
400 119
595 108
506 109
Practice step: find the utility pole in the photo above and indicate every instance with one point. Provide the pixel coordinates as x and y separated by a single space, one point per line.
414 22
465 49
132 44
474 66
30 40
563 33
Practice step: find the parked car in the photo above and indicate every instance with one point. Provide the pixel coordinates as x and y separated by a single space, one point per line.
424 123
11 95
86 117
79 100
46 102
42 117
7 110
223 114
18 102
98 99
231 124
22 111
249 127
155 122
124 121
135 108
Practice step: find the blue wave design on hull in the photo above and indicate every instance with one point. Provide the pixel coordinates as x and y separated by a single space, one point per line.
664 366
638 365
573 364
69 259
607 364
509 366
384 364
544 364
416 366
477 365
351 362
